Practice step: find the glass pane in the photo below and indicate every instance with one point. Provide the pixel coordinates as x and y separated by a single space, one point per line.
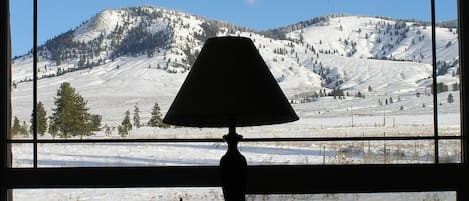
450 151
21 14
176 194
363 152
449 118
22 155
424 196
130 154
256 153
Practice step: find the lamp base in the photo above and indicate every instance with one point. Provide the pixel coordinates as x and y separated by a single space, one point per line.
233 167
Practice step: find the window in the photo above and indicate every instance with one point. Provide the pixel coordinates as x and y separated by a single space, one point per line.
294 167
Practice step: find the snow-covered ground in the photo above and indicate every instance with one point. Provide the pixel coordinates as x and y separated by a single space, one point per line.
211 194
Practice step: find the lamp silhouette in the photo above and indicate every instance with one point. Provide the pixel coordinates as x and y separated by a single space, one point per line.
230 85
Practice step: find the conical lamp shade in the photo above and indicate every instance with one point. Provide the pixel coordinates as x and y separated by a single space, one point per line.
229 85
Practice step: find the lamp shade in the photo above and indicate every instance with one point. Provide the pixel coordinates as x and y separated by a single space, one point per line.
229 85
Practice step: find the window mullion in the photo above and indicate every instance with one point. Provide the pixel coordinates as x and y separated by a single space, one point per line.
435 89
34 117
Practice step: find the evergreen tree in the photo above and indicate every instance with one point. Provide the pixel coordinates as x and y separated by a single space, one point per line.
337 92
450 98
24 129
107 130
125 126
70 116
95 122
41 119
137 116
53 131
455 86
156 120
15 129
359 94
440 87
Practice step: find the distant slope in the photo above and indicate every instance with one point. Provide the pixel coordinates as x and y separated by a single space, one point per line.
370 37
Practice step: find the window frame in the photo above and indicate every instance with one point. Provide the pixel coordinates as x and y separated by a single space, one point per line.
267 179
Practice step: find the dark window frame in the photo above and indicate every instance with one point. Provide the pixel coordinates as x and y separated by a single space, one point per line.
282 179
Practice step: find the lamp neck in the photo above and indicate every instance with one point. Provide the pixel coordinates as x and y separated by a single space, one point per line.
233 168
232 129
232 139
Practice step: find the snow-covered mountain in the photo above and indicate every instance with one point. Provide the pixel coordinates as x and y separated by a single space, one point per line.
123 57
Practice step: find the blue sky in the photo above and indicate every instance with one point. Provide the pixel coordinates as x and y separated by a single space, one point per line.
57 16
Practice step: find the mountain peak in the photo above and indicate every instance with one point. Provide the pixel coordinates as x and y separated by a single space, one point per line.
302 59
101 23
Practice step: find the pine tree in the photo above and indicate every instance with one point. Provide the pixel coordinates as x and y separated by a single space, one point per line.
24 129
53 131
15 129
70 116
41 119
440 87
455 86
126 126
94 123
137 116
450 98
156 120
359 94
107 130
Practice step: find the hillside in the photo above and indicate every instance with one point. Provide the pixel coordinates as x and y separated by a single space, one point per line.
139 55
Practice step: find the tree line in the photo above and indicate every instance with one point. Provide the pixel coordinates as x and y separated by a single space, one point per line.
126 125
70 117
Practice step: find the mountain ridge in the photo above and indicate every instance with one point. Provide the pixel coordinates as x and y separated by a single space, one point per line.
126 53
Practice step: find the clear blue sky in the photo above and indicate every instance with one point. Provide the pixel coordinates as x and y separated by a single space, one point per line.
57 16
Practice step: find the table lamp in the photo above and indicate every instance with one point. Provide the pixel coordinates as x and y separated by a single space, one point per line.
230 85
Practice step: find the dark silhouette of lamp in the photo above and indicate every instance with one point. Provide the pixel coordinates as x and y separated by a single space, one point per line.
230 85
